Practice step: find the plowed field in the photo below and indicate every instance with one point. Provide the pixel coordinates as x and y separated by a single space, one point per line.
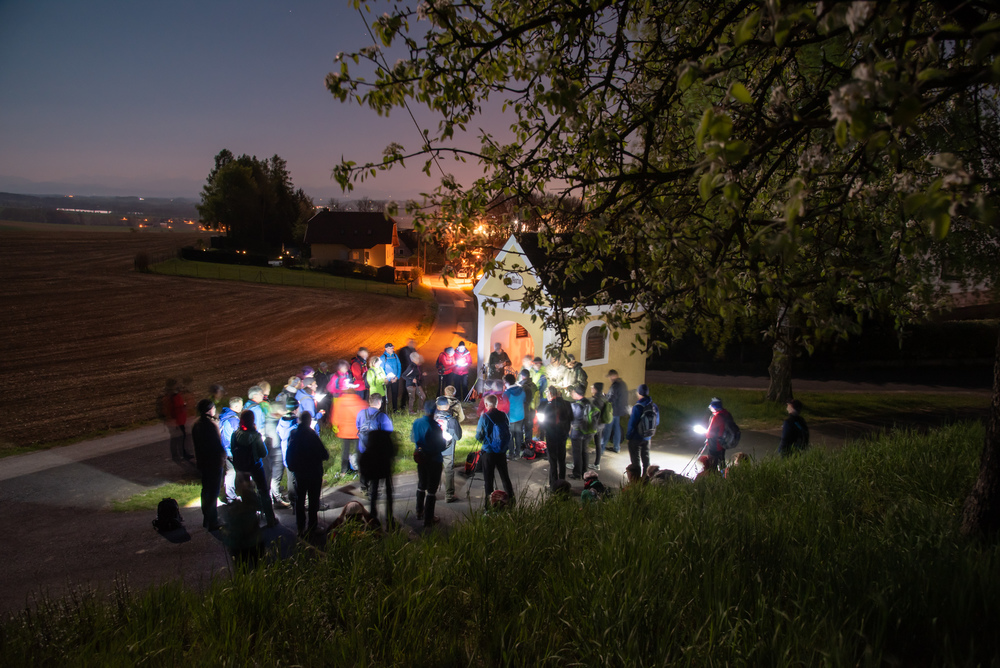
86 343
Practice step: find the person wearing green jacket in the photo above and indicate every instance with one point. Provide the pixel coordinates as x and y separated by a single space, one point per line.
376 378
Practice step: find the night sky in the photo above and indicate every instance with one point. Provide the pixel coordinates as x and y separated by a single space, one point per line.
135 98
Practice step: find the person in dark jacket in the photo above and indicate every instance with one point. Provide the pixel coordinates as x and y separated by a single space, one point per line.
452 431
497 363
494 457
306 456
530 403
429 446
405 362
794 431
376 451
248 457
359 371
638 443
579 439
715 436
558 418
210 458
618 396
599 400
413 378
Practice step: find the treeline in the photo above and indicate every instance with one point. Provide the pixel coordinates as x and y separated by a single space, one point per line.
254 202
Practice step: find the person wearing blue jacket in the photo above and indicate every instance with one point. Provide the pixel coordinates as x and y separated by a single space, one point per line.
229 422
369 420
493 431
638 443
516 396
429 446
306 396
286 425
393 372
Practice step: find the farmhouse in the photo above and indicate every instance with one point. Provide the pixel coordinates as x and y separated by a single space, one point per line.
523 265
364 237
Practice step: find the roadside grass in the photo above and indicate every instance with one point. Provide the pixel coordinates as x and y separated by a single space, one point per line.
184 492
283 276
684 405
848 557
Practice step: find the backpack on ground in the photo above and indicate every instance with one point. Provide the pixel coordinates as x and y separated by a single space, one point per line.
607 412
731 433
528 453
168 515
474 462
591 418
648 420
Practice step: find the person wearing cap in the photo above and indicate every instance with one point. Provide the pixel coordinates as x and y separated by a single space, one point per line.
429 446
578 439
794 431
446 369
638 443
452 431
463 363
714 437
210 458
618 396
393 369
516 398
498 362
286 425
306 454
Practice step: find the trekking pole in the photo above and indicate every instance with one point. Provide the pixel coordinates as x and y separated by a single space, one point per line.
694 459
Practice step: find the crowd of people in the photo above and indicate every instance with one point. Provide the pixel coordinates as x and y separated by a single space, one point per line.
256 442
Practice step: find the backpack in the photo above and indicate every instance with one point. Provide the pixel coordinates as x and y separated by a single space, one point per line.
647 421
243 459
539 448
529 454
444 418
731 434
607 412
474 462
168 515
497 436
366 426
591 418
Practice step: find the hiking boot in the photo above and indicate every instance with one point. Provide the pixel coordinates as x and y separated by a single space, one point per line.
279 502
451 499
594 467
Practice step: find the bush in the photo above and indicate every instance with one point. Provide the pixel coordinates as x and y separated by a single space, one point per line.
141 261
223 257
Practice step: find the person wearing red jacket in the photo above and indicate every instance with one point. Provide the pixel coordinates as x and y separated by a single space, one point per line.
463 362
342 381
359 369
446 369
714 437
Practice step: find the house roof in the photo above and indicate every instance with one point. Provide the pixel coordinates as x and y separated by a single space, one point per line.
550 268
354 229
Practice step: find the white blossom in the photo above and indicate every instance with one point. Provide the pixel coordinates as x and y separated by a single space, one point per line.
845 100
857 14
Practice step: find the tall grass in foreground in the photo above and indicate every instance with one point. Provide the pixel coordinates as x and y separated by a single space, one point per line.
833 558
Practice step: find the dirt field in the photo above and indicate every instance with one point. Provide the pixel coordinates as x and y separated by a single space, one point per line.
87 343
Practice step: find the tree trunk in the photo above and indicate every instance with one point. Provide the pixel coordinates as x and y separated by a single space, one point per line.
780 371
981 516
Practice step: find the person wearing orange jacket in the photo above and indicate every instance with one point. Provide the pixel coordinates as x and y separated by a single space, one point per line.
345 414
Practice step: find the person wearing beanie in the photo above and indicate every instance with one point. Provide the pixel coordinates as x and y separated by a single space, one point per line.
794 431
452 432
642 424
715 437
393 369
446 369
428 451
210 458
463 363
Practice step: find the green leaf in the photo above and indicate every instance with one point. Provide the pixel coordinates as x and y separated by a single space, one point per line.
840 132
706 185
740 93
940 225
747 28
932 73
706 121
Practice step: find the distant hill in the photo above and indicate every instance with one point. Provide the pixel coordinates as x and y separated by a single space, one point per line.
95 210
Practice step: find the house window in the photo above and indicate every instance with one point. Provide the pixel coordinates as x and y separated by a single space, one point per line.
355 255
595 344
368 257
522 333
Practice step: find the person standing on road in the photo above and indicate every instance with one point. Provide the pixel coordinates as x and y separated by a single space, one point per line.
288 423
375 379
340 382
600 401
229 423
375 463
345 420
393 369
642 424
210 458
794 431
369 420
405 361
413 377
178 421
248 457
446 369
515 414
579 436
493 431
306 454
463 363
716 436
558 419
618 396
452 431
530 404
429 447
306 396
542 383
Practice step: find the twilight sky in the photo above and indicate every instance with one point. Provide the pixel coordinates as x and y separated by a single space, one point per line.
136 98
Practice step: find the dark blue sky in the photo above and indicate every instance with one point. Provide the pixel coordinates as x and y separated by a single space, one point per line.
136 97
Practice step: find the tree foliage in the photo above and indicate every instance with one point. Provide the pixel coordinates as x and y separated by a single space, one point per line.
801 163
254 201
